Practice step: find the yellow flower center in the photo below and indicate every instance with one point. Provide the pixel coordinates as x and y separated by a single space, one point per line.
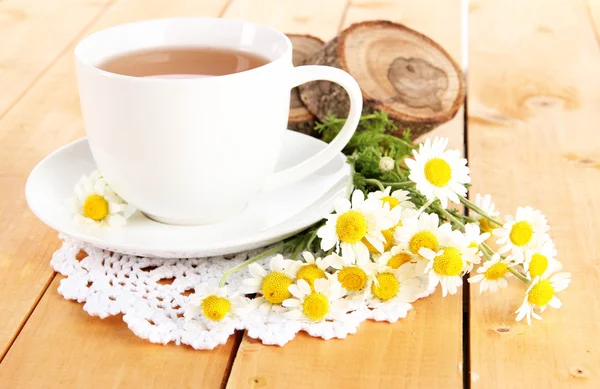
315 306
310 273
538 265
352 278
388 235
541 293
496 271
392 201
275 287
438 172
95 207
388 286
449 263
521 233
398 260
484 224
423 239
351 227
215 308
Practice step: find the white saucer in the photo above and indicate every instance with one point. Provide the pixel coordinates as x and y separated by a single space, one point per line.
268 218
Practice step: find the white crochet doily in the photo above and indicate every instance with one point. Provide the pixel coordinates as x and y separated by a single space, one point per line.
153 293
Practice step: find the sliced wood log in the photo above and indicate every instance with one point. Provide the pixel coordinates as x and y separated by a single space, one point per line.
399 70
300 118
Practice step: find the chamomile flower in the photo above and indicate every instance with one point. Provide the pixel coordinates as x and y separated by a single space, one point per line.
353 224
312 268
537 262
486 205
541 293
474 236
419 232
353 275
396 198
323 303
212 305
447 265
439 173
393 284
396 257
273 286
386 164
523 232
492 274
96 203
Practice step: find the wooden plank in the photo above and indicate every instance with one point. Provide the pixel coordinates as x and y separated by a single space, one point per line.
62 346
47 117
315 17
31 39
533 140
422 351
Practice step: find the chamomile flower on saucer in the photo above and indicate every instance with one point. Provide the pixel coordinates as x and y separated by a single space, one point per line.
523 232
312 268
273 285
542 293
394 199
421 231
211 306
323 303
439 173
485 204
353 224
353 275
539 261
96 203
447 265
492 274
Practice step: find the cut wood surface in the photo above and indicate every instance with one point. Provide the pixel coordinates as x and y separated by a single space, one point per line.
45 118
300 118
422 351
533 140
399 71
28 49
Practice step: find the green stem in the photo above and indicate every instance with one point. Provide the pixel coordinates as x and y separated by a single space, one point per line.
242 265
401 183
519 275
376 182
449 216
469 204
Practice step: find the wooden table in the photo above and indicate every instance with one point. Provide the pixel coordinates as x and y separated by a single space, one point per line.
531 138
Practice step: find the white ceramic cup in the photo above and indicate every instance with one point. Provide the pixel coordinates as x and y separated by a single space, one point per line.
192 151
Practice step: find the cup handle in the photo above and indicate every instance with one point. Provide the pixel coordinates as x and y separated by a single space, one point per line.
309 73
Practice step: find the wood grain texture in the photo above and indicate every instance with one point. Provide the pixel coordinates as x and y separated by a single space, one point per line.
315 17
70 349
47 117
534 90
31 39
421 351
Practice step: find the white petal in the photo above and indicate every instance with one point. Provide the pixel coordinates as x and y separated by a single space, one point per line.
291 303
257 271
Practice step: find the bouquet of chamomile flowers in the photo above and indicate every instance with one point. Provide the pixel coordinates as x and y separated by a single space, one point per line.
397 238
